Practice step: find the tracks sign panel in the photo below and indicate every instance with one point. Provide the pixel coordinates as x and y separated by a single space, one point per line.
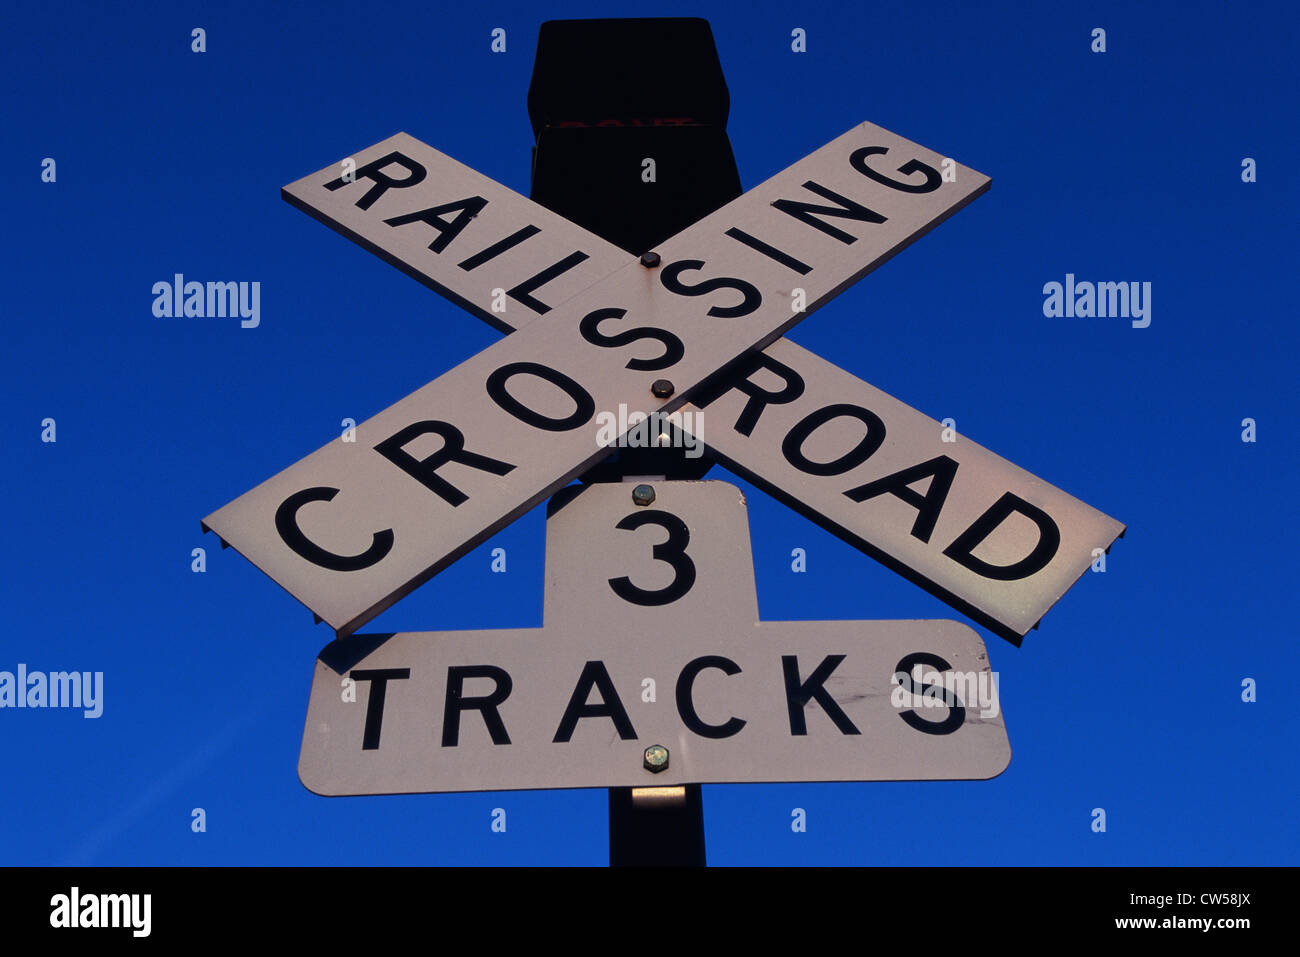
651 649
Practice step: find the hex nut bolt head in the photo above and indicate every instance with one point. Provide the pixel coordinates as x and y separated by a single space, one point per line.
661 389
643 495
650 260
656 758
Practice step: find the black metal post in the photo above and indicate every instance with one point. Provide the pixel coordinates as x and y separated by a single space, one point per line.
656 829
630 121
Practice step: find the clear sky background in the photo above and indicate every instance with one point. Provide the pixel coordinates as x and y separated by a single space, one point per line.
1117 166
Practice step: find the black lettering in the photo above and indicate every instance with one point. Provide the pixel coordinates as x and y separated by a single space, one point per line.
594 675
497 248
956 710
584 404
932 178
792 447
670 277
686 706
425 470
1049 540
523 292
487 704
940 471
378 679
672 551
673 348
771 252
286 523
447 231
797 695
847 209
759 398
383 182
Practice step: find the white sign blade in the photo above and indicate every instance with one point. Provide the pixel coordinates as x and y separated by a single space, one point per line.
994 541
409 204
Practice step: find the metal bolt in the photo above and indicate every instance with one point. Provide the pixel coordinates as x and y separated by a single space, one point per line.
643 495
650 260
656 758
661 388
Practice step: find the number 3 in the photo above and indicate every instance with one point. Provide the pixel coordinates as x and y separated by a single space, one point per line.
672 551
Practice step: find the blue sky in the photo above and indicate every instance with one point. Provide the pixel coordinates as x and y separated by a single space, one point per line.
1123 165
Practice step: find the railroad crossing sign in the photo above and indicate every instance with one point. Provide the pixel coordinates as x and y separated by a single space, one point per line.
353 527
651 668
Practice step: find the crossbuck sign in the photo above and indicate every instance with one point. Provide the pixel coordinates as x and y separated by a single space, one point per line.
353 527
